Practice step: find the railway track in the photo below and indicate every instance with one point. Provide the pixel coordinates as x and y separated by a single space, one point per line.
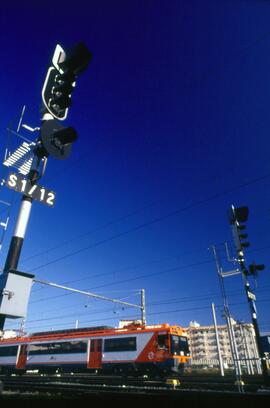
81 385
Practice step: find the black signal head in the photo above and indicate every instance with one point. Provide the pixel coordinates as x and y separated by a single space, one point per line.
56 139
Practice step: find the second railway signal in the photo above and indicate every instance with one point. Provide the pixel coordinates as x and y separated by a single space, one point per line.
238 216
255 268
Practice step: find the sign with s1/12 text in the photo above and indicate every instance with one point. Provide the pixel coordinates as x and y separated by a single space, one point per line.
22 185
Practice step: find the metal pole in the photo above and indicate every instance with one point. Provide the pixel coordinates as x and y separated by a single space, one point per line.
253 311
217 340
236 217
229 324
143 312
17 239
18 235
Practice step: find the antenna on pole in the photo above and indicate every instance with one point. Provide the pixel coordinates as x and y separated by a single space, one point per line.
20 121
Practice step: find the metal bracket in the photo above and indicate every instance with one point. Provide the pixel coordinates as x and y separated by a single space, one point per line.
7 293
230 273
30 128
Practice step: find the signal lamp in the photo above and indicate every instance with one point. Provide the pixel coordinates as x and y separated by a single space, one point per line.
254 268
56 139
60 79
236 217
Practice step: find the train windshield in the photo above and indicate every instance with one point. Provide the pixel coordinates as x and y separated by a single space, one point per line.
179 345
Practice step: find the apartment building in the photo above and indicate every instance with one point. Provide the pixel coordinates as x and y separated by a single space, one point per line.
204 347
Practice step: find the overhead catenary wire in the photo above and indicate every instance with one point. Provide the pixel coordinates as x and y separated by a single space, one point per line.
215 70
198 308
137 277
150 222
45 265
133 267
147 263
143 276
187 299
111 223
210 73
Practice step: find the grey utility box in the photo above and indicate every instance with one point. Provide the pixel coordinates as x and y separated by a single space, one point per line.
15 288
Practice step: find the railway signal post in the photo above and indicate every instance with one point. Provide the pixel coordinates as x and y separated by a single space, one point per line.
54 140
237 218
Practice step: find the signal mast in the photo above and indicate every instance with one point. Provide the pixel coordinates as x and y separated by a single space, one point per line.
54 140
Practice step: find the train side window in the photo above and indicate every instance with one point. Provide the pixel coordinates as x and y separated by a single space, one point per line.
68 347
8 351
162 341
120 344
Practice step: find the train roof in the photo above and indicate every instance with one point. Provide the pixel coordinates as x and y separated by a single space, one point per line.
68 331
95 331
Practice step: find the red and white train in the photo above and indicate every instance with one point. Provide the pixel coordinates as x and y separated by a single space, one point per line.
134 348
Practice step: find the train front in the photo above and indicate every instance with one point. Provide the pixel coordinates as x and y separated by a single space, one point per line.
178 349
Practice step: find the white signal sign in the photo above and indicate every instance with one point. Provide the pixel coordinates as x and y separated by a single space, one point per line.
58 57
22 185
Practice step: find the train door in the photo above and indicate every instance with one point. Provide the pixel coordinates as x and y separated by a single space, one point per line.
22 357
95 355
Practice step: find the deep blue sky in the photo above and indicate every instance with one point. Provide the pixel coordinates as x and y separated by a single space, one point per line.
173 124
